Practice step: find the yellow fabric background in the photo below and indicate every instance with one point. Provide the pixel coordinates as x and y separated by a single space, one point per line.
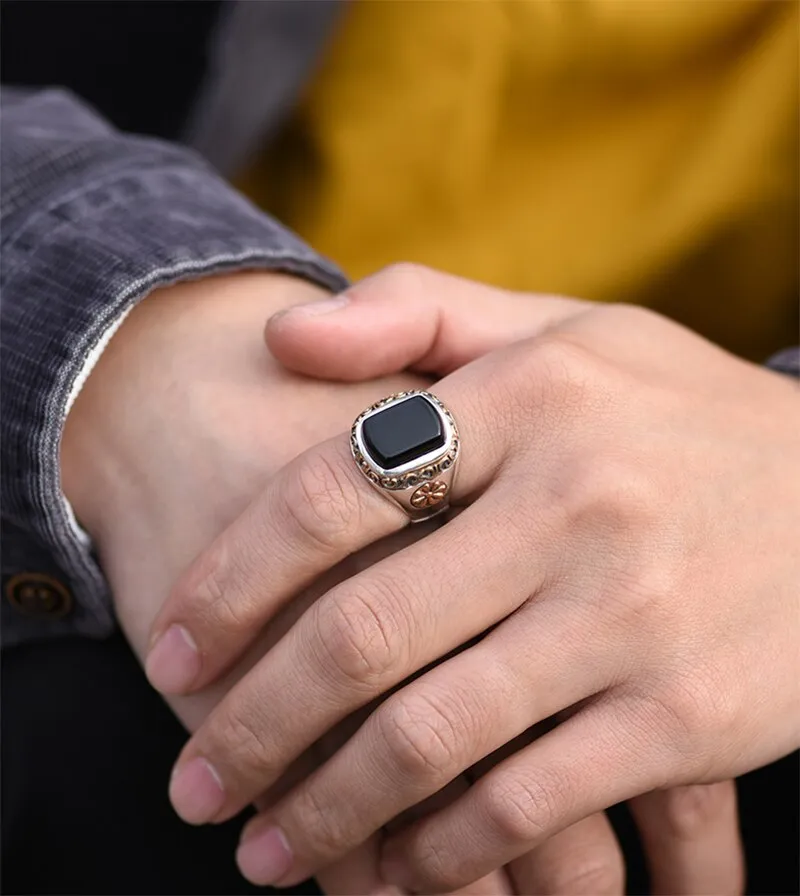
627 150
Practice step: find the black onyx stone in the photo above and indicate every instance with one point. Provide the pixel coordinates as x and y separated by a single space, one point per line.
403 432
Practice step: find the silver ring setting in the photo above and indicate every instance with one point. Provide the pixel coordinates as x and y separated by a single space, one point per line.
407 446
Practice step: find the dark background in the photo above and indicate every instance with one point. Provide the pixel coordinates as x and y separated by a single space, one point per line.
87 751
138 61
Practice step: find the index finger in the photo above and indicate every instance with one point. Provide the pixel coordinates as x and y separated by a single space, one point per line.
315 512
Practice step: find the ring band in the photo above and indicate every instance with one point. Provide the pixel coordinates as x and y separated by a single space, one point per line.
407 446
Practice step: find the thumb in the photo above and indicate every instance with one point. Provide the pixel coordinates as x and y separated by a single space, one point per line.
408 316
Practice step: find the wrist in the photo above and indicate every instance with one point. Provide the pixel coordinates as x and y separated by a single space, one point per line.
176 335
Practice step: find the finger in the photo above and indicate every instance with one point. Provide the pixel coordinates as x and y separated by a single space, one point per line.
358 871
691 837
583 858
581 767
498 883
358 641
408 316
425 735
315 512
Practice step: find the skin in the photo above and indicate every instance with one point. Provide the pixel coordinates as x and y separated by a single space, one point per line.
629 496
184 419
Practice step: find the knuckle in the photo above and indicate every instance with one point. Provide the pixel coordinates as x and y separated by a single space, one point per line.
230 594
620 502
323 826
688 809
359 634
405 277
214 594
438 867
322 502
696 713
229 610
705 708
420 738
723 710
593 876
204 583
613 492
240 737
685 702
521 810
563 369
557 375
632 318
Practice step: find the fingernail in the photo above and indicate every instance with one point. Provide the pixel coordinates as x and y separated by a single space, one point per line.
196 791
173 663
312 309
264 857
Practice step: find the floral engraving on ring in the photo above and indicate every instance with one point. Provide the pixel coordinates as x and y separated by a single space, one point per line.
429 494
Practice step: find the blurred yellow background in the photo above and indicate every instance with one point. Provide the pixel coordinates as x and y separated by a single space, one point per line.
619 150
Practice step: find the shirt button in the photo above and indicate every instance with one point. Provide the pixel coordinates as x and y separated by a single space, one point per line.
38 595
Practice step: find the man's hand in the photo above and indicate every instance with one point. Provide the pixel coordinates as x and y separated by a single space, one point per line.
627 547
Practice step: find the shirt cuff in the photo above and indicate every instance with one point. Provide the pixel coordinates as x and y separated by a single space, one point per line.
54 347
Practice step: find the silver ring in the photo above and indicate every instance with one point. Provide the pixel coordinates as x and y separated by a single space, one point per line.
407 446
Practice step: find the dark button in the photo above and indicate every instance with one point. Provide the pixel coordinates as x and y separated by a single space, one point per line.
35 594
403 432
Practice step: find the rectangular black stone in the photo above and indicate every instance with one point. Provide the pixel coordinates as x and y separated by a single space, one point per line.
403 432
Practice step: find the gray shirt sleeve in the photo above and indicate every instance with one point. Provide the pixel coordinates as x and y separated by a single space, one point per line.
92 221
786 361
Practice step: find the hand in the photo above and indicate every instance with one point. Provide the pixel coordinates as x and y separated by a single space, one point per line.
407 317
631 586
182 421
